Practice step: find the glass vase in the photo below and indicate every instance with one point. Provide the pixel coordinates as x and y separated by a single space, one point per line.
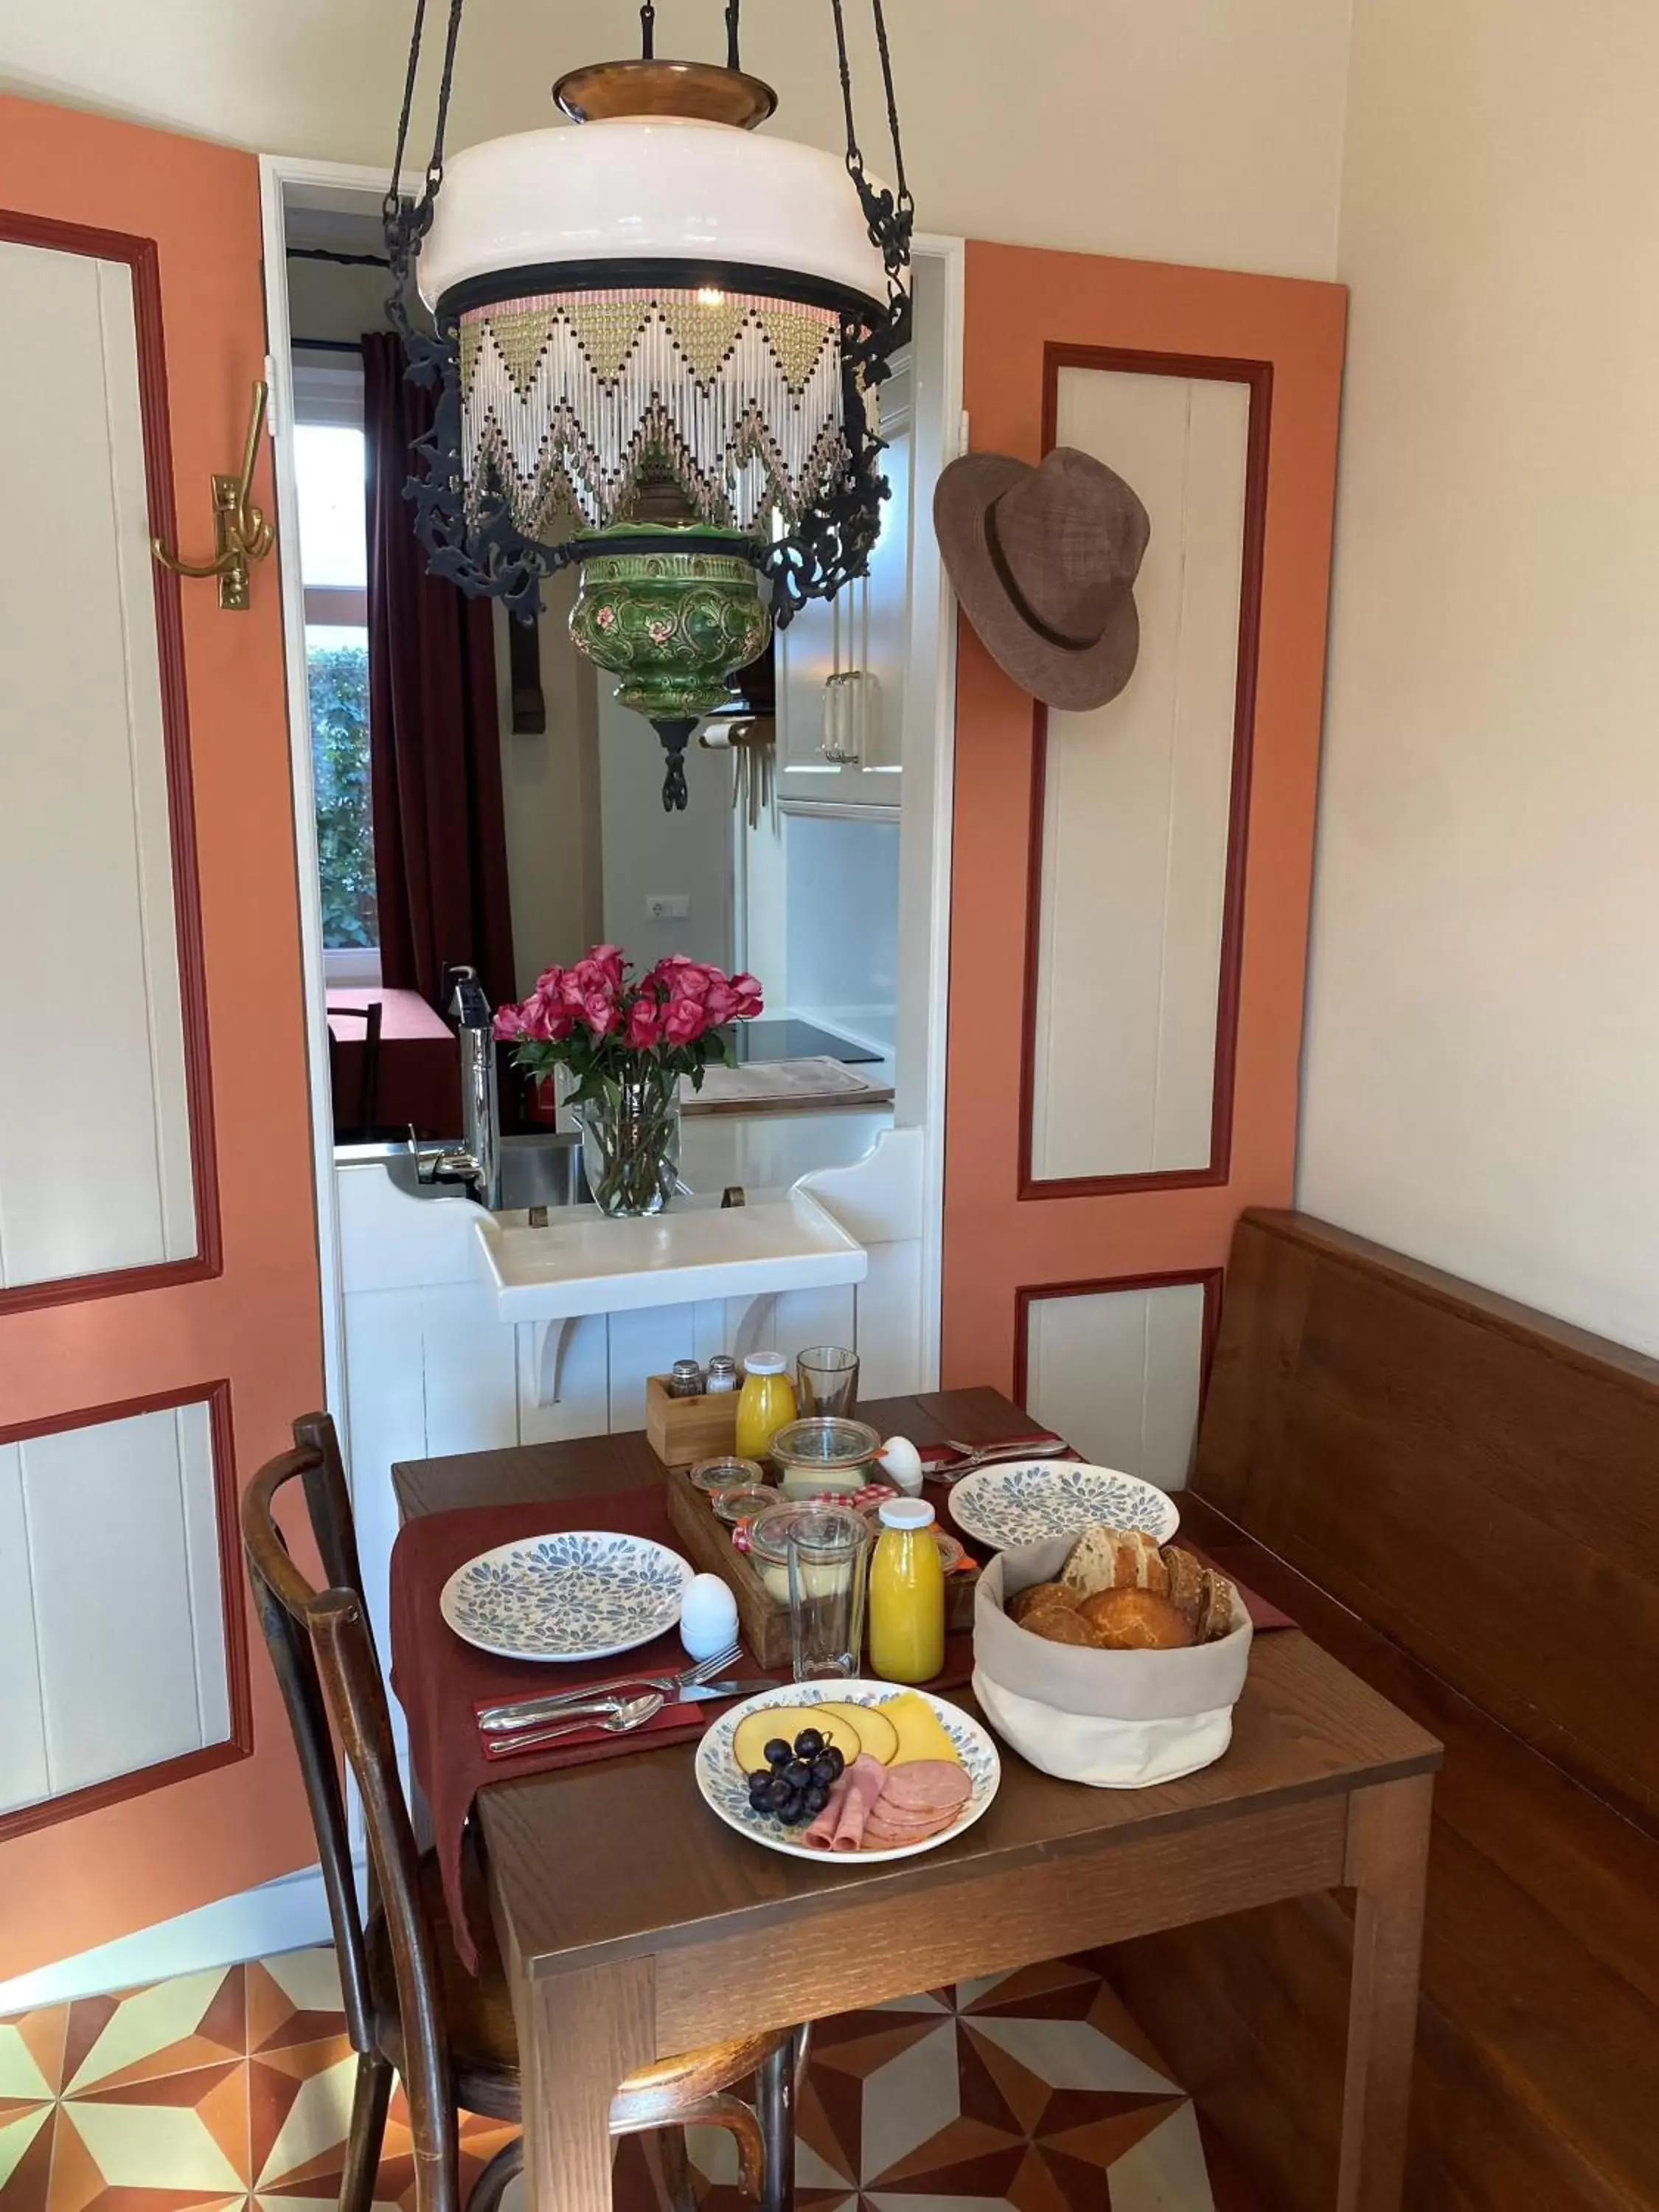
631 1143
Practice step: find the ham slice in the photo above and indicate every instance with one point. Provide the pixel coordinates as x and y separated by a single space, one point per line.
865 1779
822 1833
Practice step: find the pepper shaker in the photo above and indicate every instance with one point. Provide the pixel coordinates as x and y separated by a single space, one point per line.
686 1380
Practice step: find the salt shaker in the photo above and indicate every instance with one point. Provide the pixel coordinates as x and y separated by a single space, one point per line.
722 1373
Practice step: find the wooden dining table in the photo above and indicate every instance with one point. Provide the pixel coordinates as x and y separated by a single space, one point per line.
634 1924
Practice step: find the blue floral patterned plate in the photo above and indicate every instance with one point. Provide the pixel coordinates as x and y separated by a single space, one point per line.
583 1593
1024 1501
726 1789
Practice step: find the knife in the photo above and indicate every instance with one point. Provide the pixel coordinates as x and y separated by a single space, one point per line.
529 1716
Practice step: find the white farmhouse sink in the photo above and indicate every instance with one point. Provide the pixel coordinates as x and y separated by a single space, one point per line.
584 1263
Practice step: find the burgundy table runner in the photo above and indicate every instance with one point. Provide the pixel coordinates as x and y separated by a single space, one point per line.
441 1681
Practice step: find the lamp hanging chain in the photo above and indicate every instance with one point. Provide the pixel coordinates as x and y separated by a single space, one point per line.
855 159
405 224
906 203
434 167
389 207
889 218
733 60
647 32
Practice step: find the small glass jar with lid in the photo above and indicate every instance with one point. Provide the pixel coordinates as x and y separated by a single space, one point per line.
824 1456
819 1524
727 1472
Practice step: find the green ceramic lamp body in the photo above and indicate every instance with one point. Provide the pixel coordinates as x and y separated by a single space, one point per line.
675 627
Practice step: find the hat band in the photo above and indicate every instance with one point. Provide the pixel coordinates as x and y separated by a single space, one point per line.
1004 576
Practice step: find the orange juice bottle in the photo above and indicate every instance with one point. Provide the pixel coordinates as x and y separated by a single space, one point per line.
907 1595
765 1404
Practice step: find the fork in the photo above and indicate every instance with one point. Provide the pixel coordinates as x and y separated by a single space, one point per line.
529 1712
978 1455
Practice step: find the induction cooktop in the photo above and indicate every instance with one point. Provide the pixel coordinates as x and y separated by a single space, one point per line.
795 1040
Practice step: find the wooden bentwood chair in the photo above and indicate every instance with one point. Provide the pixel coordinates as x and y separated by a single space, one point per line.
410 2006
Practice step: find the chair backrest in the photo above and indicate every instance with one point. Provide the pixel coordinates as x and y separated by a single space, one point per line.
323 1650
369 1071
1470 1476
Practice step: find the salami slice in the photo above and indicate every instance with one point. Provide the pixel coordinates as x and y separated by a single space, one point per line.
925 1785
891 1817
822 1833
863 1779
880 1835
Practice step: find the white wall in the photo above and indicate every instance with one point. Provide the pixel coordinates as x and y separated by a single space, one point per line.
550 796
841 896
1482 1067
1201 131
647 851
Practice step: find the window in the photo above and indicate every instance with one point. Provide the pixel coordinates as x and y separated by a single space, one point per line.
329 463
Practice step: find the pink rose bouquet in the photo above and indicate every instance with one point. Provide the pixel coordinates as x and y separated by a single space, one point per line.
609 1026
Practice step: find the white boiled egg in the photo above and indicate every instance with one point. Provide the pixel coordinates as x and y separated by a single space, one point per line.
708 1616
901 1462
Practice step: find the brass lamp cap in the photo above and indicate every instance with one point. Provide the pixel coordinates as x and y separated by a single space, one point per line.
605 90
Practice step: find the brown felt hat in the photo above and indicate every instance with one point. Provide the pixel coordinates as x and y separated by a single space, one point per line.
1044 561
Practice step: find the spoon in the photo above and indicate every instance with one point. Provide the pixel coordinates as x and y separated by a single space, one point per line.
616 1718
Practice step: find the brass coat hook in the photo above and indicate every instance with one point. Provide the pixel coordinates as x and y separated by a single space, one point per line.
241 533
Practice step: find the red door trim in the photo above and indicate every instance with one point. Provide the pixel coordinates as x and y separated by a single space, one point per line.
1259 376
239 1744
141 256
1028 1294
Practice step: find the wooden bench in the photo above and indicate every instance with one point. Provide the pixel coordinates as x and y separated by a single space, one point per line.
1459 1497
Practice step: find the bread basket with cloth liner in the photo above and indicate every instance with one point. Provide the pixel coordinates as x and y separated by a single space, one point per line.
1116 1719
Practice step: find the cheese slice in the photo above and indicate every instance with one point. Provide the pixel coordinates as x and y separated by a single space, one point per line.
921 1734
858 1727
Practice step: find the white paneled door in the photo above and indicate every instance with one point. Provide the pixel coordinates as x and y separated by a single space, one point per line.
159 1304
1129 888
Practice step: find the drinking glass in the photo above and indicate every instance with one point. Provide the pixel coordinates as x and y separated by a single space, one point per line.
829 1381
826 1558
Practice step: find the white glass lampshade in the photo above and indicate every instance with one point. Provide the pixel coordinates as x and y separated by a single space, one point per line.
663 188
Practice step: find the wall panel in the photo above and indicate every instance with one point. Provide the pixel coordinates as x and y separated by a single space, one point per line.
1118 1370
86 869
115 1616
1138 801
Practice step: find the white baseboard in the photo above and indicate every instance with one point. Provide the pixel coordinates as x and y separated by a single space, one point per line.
279 1916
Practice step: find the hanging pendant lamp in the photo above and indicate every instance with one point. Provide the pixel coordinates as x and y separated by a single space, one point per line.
660 340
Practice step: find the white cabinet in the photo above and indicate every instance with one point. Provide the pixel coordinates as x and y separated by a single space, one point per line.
842 663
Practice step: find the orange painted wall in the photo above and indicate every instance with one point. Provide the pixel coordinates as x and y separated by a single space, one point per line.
1017 302
73 1884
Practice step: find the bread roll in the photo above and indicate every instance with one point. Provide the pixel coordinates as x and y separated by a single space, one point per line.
1059 1624
1039 1595
1134 1621
1116 1559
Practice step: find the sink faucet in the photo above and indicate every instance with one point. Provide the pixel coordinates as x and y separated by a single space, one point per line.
478 1162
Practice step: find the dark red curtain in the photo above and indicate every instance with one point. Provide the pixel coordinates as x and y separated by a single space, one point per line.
433 726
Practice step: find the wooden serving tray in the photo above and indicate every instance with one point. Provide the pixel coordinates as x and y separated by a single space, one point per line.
683 1431
764 1618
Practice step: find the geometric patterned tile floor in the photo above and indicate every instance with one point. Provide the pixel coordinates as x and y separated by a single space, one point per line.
229 2091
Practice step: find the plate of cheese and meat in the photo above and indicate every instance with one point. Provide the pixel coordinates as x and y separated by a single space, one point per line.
913 1769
